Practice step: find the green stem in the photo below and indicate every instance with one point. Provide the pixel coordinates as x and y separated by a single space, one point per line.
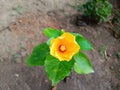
53 87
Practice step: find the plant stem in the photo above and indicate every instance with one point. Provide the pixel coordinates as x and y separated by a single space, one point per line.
53 87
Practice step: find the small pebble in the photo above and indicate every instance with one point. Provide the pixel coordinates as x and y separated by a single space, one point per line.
112 68
1 60
17 75
46 81
24 53
20 21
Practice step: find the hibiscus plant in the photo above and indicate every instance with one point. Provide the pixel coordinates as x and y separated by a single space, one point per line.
60 54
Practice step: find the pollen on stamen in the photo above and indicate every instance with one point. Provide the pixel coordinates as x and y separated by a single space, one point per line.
62 48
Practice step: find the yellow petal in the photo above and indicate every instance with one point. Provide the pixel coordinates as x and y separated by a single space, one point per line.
64 47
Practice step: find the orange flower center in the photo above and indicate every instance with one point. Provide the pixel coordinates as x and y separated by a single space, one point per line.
62 48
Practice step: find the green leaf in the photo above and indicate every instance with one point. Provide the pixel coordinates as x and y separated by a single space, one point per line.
83 43
118 55
50 32
49 40
38 55
82 64
76 34
57 70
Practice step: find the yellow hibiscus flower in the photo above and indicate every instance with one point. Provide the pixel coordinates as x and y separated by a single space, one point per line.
64 47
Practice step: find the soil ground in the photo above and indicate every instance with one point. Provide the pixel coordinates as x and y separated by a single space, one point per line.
21 26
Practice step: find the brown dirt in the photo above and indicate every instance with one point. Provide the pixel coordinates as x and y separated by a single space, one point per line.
18 40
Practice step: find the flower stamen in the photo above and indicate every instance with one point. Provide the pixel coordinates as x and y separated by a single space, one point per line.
62 48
